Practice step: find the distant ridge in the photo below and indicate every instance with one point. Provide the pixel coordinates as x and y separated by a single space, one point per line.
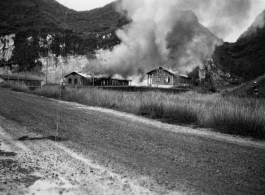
82 32
246 57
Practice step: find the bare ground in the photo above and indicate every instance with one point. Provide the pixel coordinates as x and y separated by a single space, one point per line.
100 151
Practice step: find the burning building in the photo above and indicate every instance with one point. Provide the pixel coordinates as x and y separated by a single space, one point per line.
81 79
78 79
165 78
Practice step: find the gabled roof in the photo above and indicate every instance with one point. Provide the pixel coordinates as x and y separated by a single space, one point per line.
171 73
81 74
160 68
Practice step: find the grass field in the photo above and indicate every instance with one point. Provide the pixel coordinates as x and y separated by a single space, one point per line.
231 115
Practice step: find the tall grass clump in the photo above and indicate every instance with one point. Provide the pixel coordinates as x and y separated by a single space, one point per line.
74 95
238 116
232 115
172 108
93 97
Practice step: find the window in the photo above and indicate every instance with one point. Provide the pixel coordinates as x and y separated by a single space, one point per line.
75 81
167 79
69 81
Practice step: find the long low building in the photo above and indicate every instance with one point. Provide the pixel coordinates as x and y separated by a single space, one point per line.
81 79
30 80
164 78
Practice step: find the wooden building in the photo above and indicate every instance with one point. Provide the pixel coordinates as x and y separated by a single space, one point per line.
104 81
29 80
80 79
161 77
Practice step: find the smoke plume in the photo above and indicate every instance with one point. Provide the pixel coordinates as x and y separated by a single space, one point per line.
169 33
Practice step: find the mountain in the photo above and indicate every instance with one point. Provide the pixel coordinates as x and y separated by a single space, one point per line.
84 32
81 32
246 57
49 15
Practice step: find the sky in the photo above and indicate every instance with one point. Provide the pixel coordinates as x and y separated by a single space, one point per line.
84 5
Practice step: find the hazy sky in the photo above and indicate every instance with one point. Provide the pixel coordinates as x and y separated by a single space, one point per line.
83 5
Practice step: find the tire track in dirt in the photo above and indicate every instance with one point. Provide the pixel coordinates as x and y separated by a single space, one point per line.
59 170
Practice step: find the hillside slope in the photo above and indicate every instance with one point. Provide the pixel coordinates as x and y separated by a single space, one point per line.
246 57
246 89
81 32
49 15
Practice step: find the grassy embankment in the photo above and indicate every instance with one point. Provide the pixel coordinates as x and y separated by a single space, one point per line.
231 115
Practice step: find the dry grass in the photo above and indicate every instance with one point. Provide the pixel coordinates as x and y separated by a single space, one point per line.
232 115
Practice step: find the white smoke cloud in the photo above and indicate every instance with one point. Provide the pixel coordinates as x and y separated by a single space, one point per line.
168 33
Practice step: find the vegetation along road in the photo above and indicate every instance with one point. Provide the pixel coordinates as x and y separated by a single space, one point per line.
100 151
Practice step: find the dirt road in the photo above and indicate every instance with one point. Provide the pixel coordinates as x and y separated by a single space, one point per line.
100 151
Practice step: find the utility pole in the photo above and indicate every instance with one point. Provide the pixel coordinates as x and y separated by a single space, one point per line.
49 41
47 69
93 76
7 72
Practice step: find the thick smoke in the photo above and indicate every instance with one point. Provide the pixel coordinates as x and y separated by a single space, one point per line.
168 33
189 43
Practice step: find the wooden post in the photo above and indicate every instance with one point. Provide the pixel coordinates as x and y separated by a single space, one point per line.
47 70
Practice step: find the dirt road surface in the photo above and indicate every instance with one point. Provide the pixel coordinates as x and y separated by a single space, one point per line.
101 151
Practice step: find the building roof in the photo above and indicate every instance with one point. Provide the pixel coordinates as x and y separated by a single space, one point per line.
96 77
21 77
81 74
160 68
169 72
184 75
